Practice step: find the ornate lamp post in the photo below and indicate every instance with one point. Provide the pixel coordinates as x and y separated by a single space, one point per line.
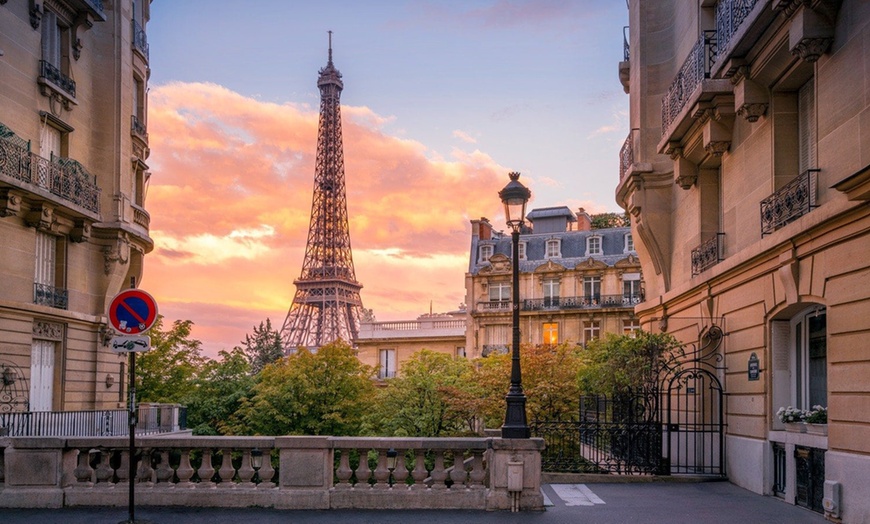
515 196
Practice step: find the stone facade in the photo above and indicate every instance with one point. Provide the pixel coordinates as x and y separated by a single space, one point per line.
73 175
747 175
576 283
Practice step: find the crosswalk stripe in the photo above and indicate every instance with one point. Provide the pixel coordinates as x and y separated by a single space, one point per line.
576 495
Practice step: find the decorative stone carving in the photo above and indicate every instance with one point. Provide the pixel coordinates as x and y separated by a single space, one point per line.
81 231
810 49
44 330
685 172
119 253
40 216
83 21
35 13
752 112
811 29
10 203
717 148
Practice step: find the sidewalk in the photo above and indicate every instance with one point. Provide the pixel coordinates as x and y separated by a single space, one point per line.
708 503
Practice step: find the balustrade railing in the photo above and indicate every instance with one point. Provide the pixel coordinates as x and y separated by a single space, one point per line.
708 254
626 157
63 177
730 14
494 305
693 71
141 217
52 74
45 295
140 39
789 202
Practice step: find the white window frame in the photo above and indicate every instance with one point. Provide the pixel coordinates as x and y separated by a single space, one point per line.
42 375
592 286
553 248
594 245
803 381
522 249
485 252
630 327
548 329
499 291
591 331
387 363
629 243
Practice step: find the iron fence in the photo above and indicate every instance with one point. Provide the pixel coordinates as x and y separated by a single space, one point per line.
694 70
730 14
153 419
45 295
707 255
790 202
51 73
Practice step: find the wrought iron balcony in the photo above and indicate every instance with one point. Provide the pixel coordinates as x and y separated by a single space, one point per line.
693 71
730 14
137 127
63 177
587 302
626 157
140 39
708 254
45 295
790 202
625 47
52 74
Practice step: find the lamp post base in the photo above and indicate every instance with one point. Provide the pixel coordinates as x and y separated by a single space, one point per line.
515 424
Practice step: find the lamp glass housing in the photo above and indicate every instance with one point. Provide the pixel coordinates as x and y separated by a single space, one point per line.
256 458
515 196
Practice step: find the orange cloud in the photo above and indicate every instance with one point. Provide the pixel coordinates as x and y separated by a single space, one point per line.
230 202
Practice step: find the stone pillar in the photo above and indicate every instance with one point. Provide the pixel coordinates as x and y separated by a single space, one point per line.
305 476
34 469
527 452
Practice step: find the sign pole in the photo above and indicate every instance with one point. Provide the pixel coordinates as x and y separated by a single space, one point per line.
132 420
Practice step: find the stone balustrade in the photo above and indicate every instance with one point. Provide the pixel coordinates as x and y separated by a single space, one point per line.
297 472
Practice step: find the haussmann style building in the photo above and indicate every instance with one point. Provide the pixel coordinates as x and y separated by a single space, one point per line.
746 173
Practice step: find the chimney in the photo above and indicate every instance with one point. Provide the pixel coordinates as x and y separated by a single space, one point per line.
482 228
584 221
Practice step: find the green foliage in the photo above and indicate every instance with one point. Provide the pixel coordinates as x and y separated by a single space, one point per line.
617 363
263 347
166 373
218 393
322 393
428 398
608 220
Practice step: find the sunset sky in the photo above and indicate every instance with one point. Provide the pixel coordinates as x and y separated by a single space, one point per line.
441 100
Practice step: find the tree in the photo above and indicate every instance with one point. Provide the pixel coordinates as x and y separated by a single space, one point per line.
608 220
425 399
263 347
322 393
167 371
618 363
218 393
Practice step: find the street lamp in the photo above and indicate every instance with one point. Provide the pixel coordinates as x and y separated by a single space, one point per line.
515 196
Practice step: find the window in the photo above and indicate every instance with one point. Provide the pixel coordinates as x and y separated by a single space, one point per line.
630 327
41 375
551 292
387 363
591 290
800 360
593 245
550 331
629 243
48 278
496 339
631 293
499 292
553 249
54 67
138 119
459 352
140 186
485 253
591 331
522 248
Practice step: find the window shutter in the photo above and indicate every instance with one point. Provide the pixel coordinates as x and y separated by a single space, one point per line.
806 127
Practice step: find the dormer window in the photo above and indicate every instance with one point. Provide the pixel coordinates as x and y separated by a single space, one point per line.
485 253
554 248
629 242
593 245
522 249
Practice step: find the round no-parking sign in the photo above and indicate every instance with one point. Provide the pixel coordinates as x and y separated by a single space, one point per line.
132 311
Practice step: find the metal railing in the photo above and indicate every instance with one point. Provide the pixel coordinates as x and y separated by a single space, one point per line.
138 127
730 14
140 39
626 156
693 71
154 419
45 295
586 302
56 77
626 51
63 177
790 202
779 468
708 254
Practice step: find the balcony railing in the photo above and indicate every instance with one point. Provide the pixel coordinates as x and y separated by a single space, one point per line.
790 202
140 39
730 14
494 305
153 419
626 157
693 71
386 373
590 302
626 50
295 472
137 127
54 75
45 295
708 254
63 177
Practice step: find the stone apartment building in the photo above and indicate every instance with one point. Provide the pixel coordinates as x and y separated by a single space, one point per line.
746 173
73 178
576 283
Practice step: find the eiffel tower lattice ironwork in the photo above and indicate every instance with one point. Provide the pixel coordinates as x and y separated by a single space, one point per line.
327 304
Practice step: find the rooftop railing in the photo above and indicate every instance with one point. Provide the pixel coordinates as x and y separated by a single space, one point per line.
790 202
693 71
63 177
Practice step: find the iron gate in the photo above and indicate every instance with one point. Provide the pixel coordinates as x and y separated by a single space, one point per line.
673 426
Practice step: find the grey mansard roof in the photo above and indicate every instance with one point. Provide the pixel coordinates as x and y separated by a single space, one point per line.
573 248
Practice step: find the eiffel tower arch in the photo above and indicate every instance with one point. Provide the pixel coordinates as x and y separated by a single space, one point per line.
327 304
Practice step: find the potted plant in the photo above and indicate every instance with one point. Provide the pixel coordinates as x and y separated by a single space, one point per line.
817 420
792 418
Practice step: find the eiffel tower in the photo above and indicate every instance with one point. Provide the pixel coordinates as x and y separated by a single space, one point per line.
327 304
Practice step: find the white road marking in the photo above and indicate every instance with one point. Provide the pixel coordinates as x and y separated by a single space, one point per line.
576 495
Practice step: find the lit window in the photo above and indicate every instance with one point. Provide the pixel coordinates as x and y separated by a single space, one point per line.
593 245
485 253
551 333
499 292
553 250
387 367
591 331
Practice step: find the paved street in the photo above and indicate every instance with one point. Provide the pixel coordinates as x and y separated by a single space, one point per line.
707 503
